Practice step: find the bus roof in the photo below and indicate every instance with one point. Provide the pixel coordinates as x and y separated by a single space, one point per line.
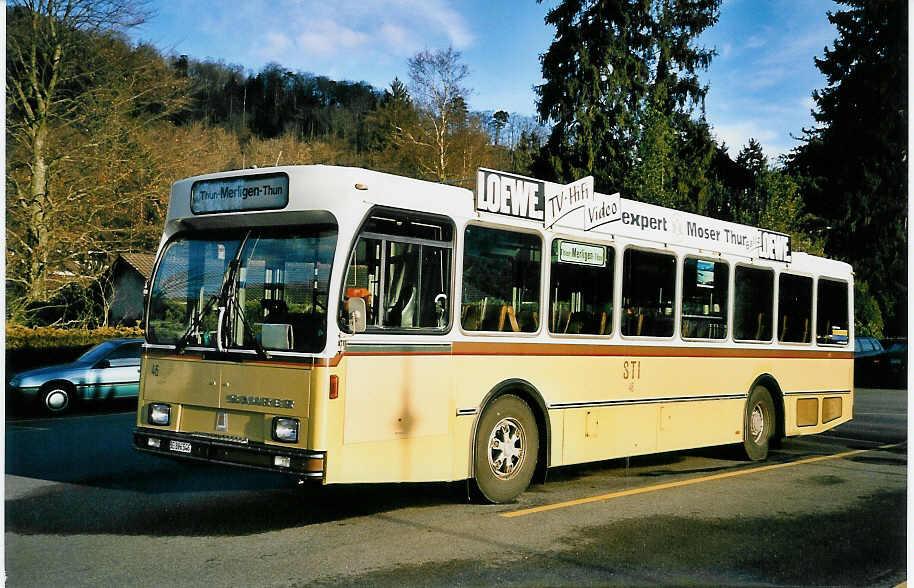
333 188
344 195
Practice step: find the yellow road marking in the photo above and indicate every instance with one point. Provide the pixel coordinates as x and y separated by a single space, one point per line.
646 489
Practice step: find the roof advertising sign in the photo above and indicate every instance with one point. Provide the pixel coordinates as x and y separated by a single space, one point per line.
523 197
578 206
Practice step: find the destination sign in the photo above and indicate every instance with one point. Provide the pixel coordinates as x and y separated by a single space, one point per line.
582 254
243 193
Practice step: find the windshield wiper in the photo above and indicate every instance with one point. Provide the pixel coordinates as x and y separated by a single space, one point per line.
239 312
196 322
221 296
228 301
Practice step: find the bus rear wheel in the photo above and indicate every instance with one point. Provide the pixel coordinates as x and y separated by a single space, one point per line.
759 424
506 449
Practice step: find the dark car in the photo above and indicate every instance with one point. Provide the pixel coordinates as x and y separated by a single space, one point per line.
869 366
108 370
896 362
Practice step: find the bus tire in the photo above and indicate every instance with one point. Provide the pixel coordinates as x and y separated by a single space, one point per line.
506 449
760 425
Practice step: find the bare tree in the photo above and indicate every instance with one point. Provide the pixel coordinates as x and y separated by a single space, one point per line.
437 90
76 95
471 142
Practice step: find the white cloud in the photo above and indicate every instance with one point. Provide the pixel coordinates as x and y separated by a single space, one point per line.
395 35
327 37
277 45
755 42
345 35
769 77
439 15
736 135
799 48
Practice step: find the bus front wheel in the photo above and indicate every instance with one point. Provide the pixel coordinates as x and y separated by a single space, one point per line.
759 424
507 445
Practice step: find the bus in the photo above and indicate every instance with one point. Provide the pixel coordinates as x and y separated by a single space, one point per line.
351 326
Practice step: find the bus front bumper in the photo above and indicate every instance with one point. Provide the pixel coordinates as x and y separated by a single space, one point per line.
235 452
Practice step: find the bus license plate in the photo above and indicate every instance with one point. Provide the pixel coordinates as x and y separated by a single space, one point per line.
179 446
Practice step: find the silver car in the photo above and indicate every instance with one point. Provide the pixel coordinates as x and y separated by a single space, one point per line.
108 370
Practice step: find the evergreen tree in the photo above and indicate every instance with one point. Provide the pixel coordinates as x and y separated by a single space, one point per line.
395 111
611 62
767 197
694 157
673 161
853 164
750 198
499 120
752 158
652 176
524 152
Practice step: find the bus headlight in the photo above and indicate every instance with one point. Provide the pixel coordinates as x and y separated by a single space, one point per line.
285 430
159 414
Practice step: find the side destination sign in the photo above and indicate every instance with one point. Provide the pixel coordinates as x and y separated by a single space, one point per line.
578 206
242 193
582 254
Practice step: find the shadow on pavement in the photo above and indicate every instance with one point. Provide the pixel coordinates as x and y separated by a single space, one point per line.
209 502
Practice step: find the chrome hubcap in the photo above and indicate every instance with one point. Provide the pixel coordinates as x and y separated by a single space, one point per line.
56 400
507 448
757 423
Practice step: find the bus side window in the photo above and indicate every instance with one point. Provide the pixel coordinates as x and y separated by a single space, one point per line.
648 289
705 290
753 304
832 315
581 288
401 268
501 281
794 308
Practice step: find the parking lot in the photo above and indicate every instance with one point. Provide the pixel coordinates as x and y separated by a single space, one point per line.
83 509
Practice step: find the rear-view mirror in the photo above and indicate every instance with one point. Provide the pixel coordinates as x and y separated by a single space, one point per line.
357 314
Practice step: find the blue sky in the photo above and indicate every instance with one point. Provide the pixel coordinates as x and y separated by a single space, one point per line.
761 80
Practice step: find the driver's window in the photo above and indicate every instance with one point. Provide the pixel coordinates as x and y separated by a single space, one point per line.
401 268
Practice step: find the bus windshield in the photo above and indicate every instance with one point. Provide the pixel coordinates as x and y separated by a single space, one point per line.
253 289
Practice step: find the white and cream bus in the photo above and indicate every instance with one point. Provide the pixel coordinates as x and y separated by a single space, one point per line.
352 326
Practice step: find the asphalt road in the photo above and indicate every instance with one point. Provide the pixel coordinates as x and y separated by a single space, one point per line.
84 509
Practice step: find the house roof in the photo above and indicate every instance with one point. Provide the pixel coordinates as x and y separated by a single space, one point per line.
141 262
